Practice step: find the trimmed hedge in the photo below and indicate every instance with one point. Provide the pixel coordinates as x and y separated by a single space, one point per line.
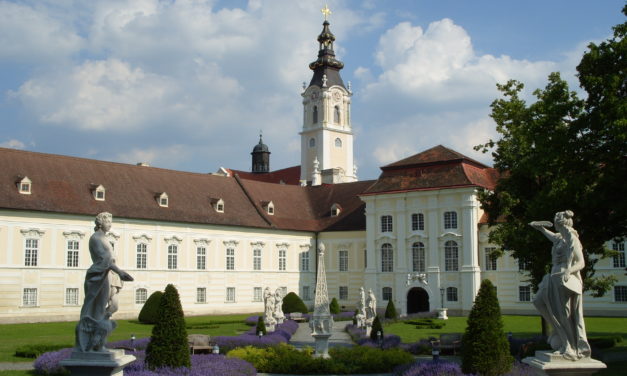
390 311
149 313
33 351
334 307
293 303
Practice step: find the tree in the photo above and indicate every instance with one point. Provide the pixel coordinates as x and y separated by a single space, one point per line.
168 344
485 349
376 329
293 303
559 153
390 310
150 311
334 307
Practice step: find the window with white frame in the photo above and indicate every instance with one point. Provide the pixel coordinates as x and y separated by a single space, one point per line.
386 293
142 254
524 293
141 295
523 265
173 250
99 193
490 258
620 294
29 297
451 256
72 254
451 294
256 294
163 200
450 220
201 295
417 222
343 292
619 259
24 185
71 296
304 261
230 294
306 293
335 210
386 223
31 251
387 258
201 258
230 259
282 259
418 257
343 260
256 259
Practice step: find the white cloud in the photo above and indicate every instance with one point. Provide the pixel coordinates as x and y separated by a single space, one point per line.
13 144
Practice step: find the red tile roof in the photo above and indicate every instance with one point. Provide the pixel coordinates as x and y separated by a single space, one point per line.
289 175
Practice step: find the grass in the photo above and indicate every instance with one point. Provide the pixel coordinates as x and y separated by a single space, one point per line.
15 335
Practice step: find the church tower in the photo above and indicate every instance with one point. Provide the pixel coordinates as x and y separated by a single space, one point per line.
327 135
261 157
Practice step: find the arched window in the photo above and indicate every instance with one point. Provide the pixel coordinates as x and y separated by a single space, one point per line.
451 256
338 143
312 142
336 115
141 295
315 114
387 258
450 220
451 294
418 257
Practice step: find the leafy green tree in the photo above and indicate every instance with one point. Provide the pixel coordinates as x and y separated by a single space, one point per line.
485 349
168 344
334 307
559 153
150 311
376 328
390 311
293 303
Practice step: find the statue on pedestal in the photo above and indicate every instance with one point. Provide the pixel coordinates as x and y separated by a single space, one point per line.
361 308
278 306
268 312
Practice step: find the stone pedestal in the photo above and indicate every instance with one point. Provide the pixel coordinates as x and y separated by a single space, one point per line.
104 363
442 313
548 363
322 345
368 329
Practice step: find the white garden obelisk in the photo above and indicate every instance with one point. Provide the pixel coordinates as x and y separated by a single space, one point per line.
322 322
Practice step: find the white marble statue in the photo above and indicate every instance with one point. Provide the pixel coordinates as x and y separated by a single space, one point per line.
361 308
371 306
101 288
278 306
559 298
268 312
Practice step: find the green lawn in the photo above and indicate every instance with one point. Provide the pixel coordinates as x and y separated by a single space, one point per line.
15 335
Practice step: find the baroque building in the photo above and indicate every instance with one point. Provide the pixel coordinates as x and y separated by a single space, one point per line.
416 235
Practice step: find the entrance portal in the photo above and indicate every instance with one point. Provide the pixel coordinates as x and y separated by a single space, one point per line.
417 300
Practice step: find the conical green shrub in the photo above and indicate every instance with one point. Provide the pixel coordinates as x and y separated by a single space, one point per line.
334 307
150 311
261 326
485 349
293 303
376 327
168 345
390 311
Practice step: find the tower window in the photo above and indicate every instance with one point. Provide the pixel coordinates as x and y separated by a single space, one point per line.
24 185
338 143
312 142
315 114
162 199
336 115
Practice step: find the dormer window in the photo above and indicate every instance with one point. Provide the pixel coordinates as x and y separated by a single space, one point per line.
99 193
162 200
268 206
218 204
24 185
336 209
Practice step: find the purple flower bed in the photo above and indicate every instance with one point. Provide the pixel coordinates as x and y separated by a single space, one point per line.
282 334
48 363
202 365
442 368
138 344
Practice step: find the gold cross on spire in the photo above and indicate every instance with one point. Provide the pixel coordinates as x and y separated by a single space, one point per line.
326 11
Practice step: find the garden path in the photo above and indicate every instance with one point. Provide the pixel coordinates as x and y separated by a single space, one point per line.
339 337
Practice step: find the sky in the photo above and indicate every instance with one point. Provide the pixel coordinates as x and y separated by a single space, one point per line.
189 84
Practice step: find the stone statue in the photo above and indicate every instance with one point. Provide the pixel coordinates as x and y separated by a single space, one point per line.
559 298
371 306
361 308
278 306
268 312
101 288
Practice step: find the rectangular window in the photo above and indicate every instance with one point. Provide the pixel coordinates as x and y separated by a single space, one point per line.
201 295
282 257
343 261
71 296
619 259
343 292
387 258
201 258
141 255
451 294
386 223
306 293
524 293
141 295
386 293
304 261
72 254
256 259
172 256
523 265
230 294
418 257
620 294
417 222
490 259
29 298
256 294
30 252
451 256
450 220
230 259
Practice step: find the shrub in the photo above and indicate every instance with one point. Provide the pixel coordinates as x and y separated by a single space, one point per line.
168 345
261 326
150 311
334 307
293 303
33 351
376 327
485 349
426 323
390 311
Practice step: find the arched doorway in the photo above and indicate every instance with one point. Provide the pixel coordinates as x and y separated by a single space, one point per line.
417 300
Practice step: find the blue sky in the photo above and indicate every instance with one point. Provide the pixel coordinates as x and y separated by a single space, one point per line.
188 84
